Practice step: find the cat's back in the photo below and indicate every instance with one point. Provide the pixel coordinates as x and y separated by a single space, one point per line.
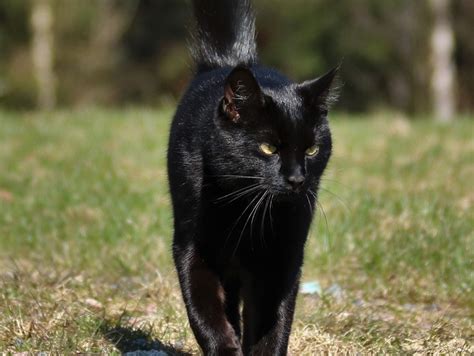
193 125
198 103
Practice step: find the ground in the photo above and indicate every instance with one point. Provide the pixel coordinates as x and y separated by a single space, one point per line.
85 231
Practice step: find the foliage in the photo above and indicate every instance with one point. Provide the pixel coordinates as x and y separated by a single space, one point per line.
117 51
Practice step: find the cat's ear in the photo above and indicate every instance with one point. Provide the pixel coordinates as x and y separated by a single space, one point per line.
241 92
318 94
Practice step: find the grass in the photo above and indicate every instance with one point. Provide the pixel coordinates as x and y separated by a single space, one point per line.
85 230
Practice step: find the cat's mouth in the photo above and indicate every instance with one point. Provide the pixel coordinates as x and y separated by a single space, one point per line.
290 191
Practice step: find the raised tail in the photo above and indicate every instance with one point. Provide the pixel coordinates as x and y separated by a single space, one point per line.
225 34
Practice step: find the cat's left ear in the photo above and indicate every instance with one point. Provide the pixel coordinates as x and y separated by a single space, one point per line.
242 93
318 94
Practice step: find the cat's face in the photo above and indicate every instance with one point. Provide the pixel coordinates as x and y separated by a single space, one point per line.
280 137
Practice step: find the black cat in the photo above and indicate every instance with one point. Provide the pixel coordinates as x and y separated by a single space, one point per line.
246 152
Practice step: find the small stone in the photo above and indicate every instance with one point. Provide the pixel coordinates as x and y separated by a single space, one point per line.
93 303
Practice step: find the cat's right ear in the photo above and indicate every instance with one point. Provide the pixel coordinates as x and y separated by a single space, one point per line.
241 93
320 93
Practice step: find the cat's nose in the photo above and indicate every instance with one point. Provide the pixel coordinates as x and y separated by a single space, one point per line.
295 181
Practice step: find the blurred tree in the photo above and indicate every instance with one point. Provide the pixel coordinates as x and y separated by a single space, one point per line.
442 54
462 20
16 87
43 52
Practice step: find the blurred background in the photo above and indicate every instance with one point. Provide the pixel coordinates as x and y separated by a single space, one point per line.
408 56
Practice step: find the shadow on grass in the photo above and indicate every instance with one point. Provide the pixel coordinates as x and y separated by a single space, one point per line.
127 339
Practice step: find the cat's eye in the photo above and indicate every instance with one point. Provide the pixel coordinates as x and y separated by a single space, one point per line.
312 151
268 149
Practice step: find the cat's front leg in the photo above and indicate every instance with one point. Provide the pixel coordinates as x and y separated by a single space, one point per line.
267 321
204 297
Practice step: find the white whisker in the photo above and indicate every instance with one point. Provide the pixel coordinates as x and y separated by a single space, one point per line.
237 191
262 227
238 219
246 222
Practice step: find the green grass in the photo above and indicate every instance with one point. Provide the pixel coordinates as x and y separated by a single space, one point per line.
85 233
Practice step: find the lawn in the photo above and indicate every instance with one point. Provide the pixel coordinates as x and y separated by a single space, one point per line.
85 234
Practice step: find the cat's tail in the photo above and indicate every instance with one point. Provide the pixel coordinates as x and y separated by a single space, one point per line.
224 35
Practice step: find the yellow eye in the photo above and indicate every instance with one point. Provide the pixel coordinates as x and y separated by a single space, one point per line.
268 149
312 151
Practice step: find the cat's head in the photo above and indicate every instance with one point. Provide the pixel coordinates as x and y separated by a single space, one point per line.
280 135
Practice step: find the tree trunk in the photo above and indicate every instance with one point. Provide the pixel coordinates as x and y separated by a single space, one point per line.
42 53
442 51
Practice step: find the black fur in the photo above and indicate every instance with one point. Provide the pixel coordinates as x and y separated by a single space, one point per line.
241 216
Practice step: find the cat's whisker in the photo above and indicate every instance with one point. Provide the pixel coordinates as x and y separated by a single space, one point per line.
325 217
236 176
339 199
310 207
325 179
271 216
238 191
318 204
253 213
315 196
243 194
262 227
240 216
246 222
262 199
